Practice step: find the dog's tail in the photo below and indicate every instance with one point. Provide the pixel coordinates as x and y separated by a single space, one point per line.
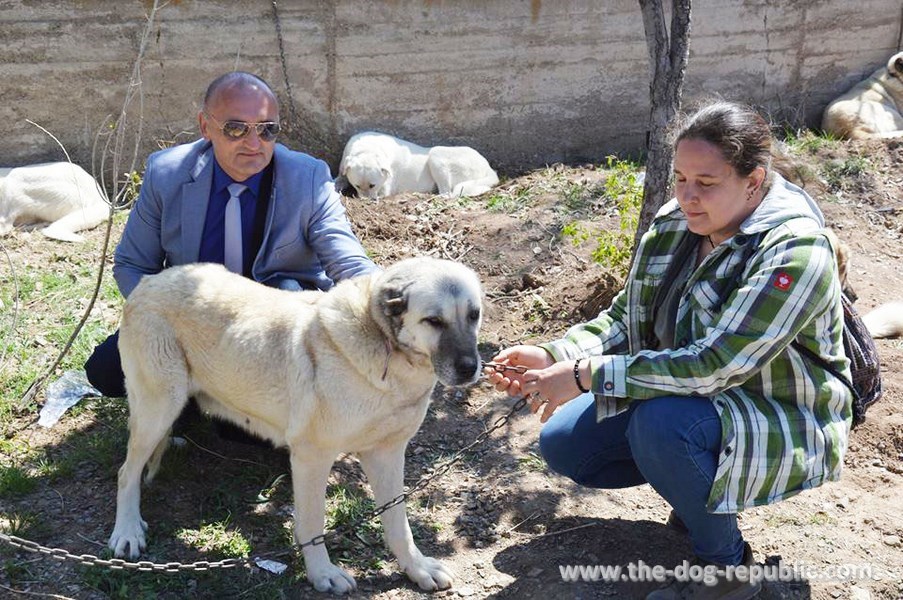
885 321
81 218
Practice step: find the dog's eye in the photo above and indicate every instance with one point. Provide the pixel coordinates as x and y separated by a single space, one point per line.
435 322
474 315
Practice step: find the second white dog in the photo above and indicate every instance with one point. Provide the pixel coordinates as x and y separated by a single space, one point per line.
60 192
872 108
379 165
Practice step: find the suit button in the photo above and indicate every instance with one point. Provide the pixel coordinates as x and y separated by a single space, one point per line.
728 451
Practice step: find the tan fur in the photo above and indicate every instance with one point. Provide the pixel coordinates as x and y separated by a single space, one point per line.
872 108
349 370
885 321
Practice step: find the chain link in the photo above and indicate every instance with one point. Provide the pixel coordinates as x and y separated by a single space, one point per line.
288 86
118 564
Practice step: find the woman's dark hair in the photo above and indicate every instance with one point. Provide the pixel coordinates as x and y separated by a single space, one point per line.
744 138
740 133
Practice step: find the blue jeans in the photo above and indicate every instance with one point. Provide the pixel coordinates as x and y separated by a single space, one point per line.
671 442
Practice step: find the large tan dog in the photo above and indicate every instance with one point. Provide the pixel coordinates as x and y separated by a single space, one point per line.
872 108
349 370
61 193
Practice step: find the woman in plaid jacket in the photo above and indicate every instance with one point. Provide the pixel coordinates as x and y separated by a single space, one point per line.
688 381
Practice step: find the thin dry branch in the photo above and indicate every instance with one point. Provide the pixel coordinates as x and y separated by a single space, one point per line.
118 140
15 314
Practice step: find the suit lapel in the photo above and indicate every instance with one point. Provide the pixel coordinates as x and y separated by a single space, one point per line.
195 198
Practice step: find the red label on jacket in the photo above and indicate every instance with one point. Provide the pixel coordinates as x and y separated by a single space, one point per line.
783 281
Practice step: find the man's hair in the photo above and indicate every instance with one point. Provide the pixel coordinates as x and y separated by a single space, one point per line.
235 79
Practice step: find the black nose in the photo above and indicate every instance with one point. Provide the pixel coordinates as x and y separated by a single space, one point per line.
466 366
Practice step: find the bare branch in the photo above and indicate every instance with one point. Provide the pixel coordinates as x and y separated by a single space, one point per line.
117 140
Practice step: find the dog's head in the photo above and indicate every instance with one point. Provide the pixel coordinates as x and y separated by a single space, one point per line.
367 173
432 308
895 66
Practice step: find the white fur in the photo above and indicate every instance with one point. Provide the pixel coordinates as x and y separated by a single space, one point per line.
349 370
62 193
885 321
379 165
872 108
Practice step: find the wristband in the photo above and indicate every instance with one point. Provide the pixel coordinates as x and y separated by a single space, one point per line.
577 376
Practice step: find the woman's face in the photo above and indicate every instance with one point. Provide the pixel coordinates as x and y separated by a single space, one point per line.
709 191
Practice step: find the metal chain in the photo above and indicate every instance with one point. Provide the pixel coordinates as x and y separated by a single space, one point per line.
117 564
288 85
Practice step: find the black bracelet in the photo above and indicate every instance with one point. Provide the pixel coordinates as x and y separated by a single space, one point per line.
577 376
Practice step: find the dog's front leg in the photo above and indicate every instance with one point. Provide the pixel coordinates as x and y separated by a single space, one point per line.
385 471
309 473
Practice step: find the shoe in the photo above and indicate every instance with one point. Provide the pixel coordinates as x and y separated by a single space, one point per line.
720 589
676 523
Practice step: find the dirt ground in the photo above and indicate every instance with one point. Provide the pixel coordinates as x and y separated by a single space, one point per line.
505 524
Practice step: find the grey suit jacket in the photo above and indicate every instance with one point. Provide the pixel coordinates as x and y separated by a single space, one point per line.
307 240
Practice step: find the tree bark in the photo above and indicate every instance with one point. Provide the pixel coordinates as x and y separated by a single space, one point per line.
668 60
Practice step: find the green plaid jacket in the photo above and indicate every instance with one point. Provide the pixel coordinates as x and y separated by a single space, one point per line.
785 420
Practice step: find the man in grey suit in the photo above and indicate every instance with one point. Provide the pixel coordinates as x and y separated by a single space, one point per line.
238 198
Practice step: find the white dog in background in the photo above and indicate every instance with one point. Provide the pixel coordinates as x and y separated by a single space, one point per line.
60 192
380 165
872 108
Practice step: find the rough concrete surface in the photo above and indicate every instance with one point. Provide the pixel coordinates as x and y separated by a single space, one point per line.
527 83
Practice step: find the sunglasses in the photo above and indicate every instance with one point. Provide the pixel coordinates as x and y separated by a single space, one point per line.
235 130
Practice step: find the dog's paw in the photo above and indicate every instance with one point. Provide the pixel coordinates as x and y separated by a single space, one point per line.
330 578
430 574
129 536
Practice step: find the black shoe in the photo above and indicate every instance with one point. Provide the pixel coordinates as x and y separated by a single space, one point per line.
676 523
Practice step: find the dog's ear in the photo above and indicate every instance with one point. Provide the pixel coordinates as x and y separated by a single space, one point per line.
394 302
898 64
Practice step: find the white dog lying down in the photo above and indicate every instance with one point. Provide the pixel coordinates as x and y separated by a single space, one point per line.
379 165
872 108
882 322
885 321
60 192
349 370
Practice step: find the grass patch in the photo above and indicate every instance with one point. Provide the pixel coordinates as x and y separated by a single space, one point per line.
509 201
531 462
15 481
218 539
842 174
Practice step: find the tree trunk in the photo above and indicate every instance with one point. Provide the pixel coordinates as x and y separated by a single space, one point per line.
669 62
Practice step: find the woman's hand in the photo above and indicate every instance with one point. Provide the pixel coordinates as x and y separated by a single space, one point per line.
545 382
531 357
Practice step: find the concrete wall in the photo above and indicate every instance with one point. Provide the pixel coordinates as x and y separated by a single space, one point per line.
526 82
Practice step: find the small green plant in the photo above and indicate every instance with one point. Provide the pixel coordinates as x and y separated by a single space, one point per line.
217 537
613 248
130 186
531 462
575 232
508 201
806 140
839 173
15 481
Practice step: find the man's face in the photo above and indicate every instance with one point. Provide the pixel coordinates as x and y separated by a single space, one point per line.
249 155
